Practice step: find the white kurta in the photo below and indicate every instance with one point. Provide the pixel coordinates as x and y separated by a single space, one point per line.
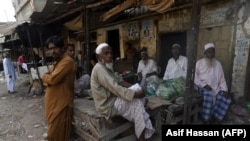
175 69
9 70
113 99
145 69
212 76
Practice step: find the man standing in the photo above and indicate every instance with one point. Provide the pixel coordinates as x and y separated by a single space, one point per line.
209 77
112 96
59 93
146 68
177 65
21 61
9 72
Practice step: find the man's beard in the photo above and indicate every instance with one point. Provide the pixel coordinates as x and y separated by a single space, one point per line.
109 66
210 62
55 56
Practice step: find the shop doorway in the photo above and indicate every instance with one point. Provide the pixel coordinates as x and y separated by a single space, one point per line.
113 41
166 40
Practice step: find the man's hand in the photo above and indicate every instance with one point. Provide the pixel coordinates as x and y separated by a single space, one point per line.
150 74
226 94
139 76
125 84
140 94
207 87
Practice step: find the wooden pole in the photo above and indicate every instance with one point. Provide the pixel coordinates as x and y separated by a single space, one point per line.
192 44
43 52
38 74
86 27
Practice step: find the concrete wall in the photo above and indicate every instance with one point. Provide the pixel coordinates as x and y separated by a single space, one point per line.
226 23
241 42
136 39
25 8
139 40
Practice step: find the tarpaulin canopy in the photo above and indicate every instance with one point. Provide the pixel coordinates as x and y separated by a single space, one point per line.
75 24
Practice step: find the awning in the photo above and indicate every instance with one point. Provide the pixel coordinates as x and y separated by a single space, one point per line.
160 6
5 50
75 24
2 39
9 27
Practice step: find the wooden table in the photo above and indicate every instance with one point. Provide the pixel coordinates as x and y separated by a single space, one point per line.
92 126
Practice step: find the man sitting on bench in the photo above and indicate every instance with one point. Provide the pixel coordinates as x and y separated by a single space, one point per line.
112 96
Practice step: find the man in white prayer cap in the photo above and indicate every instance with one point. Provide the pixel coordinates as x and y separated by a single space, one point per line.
177 64
112 95
9 72
147 67
209 78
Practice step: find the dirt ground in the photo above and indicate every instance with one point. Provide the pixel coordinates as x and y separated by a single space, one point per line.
21 116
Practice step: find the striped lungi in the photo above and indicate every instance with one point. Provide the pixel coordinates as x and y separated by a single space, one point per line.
214 108
134 111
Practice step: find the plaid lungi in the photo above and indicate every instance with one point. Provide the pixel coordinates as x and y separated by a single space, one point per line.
211 108
134 111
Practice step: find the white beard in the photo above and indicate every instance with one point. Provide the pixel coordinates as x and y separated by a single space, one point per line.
109 66
210 62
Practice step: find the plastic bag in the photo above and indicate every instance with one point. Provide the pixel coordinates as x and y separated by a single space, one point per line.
151 85
171 88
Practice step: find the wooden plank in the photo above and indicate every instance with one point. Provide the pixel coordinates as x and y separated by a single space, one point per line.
155 102
98 3
128 138
84 117
84 135
84 111
86 106
114 132
93 130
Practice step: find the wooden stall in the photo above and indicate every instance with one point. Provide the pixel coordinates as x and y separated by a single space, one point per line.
92 126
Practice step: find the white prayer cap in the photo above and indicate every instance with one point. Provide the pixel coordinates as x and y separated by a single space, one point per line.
208 45
176 45
100 47
6 54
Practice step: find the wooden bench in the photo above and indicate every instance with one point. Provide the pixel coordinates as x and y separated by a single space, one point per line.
92 126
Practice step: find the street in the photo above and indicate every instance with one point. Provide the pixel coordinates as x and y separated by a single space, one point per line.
21 116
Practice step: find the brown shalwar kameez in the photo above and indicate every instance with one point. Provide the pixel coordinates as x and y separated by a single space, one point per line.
59 98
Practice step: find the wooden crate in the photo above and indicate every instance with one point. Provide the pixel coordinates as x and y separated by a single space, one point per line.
174 115
92 126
